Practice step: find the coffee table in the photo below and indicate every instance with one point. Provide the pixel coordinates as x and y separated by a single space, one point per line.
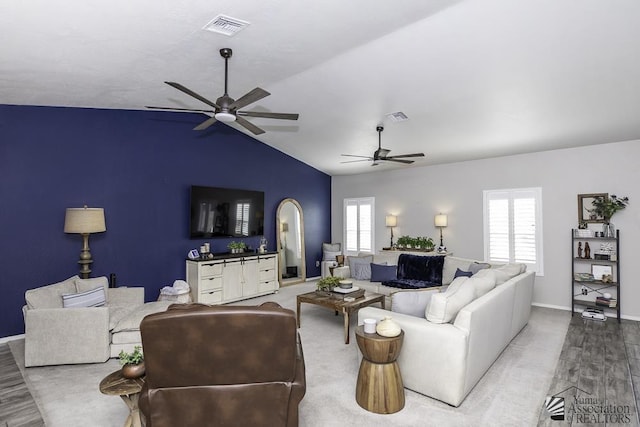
339 305
115 384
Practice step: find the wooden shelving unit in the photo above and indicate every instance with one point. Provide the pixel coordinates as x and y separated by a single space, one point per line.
594 288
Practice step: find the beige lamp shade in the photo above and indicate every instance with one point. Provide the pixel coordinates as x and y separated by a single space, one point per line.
440 220
84 220
391 220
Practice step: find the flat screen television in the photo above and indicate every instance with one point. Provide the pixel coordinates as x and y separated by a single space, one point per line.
226 212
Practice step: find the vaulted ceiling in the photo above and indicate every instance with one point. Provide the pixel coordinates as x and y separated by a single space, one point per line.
476 78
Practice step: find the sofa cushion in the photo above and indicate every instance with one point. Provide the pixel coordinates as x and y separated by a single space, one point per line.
413 303
360 267
50 296
91 298
483 281
477 266
83 285
131 321
451 264
461 273
444 307
383 272
508 271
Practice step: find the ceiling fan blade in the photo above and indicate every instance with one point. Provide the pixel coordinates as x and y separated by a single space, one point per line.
249 98
179 109
206 124
248 125
354 155
391 159
354 161
406 155
282 116
192 93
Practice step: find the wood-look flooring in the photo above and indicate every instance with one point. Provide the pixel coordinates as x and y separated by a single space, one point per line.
597 374
17 407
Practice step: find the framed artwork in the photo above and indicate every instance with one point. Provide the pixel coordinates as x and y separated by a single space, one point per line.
599 270
585 207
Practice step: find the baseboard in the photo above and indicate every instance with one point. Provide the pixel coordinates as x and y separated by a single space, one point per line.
4 340
560 307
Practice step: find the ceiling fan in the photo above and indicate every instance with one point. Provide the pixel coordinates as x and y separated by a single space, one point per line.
381 154
226 109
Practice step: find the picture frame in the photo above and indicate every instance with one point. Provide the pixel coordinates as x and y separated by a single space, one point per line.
600 270
585 205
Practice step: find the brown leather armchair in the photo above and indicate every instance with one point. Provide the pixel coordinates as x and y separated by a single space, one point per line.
222 366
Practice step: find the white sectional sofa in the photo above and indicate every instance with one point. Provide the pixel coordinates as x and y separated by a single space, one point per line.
454 335
56 335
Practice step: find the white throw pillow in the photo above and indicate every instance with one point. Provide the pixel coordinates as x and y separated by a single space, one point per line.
413 303
331 247
508 271
330 255
444 307
91 298
451 264
483 281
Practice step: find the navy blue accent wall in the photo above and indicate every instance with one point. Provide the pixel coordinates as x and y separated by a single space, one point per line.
138 166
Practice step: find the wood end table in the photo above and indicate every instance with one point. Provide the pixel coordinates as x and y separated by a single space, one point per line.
115 384
379 388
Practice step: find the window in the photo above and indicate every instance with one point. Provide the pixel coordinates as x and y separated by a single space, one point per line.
358 225
513 227
242 218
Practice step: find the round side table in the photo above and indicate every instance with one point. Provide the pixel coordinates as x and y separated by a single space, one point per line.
379 388
115 384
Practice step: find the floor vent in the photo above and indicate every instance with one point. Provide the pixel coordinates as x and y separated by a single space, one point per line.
226 25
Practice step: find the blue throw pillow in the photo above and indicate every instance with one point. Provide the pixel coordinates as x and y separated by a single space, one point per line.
382 273
462 273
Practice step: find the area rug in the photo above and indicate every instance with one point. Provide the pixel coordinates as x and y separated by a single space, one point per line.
17 406
511 393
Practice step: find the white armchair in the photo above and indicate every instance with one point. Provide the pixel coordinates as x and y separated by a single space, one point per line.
55 334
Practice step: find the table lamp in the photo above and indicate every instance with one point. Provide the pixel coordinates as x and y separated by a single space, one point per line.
440 221
391 221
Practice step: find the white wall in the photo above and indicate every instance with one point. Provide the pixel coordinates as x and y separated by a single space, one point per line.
417 194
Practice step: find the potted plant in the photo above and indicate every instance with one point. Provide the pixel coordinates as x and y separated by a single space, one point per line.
403 241
236 247
606 208
424 243
132 363
326 284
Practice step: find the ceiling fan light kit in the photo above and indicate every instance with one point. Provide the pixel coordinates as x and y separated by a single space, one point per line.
381 154
226 109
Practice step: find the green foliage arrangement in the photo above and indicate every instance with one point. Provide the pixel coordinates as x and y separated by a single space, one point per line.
605 208
421 243
236 245
134 358
328 283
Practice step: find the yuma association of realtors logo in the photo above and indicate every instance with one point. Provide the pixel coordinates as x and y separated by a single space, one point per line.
586 410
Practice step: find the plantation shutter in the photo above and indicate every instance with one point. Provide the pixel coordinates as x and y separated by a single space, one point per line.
358 225
513 226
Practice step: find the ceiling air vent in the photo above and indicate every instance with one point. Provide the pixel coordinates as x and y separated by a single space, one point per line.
397 117
225 25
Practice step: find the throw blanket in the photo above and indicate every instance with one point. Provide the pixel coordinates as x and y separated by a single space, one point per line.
416 272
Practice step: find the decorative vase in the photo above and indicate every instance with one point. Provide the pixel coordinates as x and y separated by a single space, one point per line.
345 284
387 327
608 230
133 371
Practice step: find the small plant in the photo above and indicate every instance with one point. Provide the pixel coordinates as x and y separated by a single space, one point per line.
328 283
425 243
236 246
134 358
404 241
